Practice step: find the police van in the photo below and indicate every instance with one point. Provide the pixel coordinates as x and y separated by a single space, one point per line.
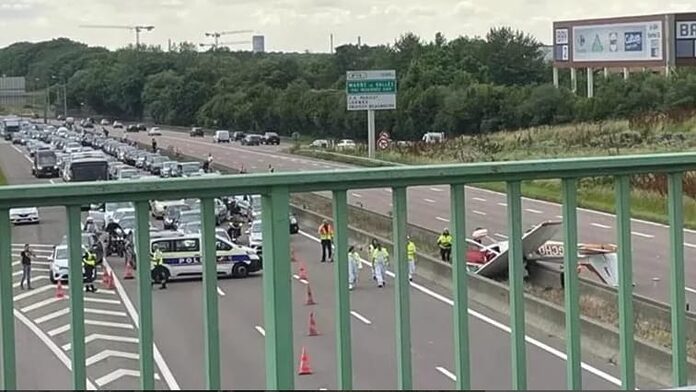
181 254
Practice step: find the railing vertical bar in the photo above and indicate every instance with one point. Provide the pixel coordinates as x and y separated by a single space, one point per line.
623 232
570 280
401 291
277 290
344 361
516 279
77 315
677 293
142 232
210 299
9 362
460 277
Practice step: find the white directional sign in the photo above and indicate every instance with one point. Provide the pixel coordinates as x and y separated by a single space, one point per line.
371 90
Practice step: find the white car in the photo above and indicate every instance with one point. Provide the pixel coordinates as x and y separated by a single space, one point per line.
346 144
118 124
256 235
104 121
320 143
221 136
24 215
155 131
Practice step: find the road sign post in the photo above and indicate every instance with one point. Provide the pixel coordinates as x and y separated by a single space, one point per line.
371 90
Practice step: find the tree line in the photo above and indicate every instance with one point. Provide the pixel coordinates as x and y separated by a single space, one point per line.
467 85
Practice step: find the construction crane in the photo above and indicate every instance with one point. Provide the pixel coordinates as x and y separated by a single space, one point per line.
137 30
215 46
217 34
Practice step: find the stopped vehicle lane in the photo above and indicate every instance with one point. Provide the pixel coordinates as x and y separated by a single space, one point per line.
429 208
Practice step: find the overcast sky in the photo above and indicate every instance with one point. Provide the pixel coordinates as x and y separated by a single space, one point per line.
298 25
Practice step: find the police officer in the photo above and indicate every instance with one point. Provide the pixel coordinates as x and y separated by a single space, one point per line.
159 272
353 263
154 145
381 257
411 256
89 261
326 234
444 241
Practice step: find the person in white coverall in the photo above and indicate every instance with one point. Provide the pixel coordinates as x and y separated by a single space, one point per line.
381 258
353 263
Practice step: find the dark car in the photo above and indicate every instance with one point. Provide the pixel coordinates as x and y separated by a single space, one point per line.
196 131
238 135
271 138
132 128
251 140
45 164
141 127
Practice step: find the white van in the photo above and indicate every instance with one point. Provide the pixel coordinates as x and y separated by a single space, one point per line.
434 137
222 136
181 254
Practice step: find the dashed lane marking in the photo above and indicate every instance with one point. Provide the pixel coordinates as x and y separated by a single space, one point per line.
533 211
98 336
360 317
690 245
442 219
260 330
502 204
431 201
639 234
601 226
359 196
447 373
478 212
479 199
500 235
220 292
436 189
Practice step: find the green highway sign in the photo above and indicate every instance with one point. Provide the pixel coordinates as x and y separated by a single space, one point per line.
371 86
371 90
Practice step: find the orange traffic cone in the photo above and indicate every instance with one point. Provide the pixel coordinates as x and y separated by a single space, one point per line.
105 278
303 271
111 285
60 293
304 363
129 272
309 298
312 326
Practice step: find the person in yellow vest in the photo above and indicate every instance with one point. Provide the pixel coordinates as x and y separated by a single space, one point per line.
89 262
411 256
444 241
353 263
326 234
159 272
381 259
371 258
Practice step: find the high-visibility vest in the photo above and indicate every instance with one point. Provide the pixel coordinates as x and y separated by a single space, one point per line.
325 232
445 241
354 257
380 255
411 251
371 253
157 258
89 259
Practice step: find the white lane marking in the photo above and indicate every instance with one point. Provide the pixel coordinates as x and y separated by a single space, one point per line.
20 151
301 280
40 304
533 211
34 279
601 226
502 204
51 181
118 373
98 336
690 245
109 353
106 312
359 196
479 198
108 324
500 235
639 234
220 292
689 289
46 257
534 342
446 372
260 330
478 212
17 273
436 189
559 216
429 201
34 263
386 190
21 245
50 344
28 294
58 330
166 372
360 317
51 316
442 219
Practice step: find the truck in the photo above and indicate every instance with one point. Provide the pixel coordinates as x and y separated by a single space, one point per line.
10 126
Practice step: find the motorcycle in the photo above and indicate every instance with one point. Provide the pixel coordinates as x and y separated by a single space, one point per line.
117 244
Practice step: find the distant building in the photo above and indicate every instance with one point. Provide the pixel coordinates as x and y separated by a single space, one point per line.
258 43
13 91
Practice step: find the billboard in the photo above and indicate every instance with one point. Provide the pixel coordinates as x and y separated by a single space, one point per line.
685 32
640 41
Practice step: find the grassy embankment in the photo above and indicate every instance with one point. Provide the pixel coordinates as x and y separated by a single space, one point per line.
648 199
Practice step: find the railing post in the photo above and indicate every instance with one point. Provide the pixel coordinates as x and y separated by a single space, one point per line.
677 293
75 280
142 234
516 279
623 232
344 361
210 300
401 291
460 277
9 364
277 292
570 280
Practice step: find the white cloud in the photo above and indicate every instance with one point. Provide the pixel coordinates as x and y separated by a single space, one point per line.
296 25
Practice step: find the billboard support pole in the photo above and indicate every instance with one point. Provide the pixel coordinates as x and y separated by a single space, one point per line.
555 77
371 134
573 80
606 72
590 82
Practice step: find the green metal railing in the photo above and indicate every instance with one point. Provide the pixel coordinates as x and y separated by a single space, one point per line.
276 189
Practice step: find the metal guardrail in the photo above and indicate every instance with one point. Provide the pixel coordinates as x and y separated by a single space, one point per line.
276 189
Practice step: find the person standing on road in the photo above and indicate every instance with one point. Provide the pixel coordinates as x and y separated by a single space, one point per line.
154 145
326 235
159 272
89 261
411 256
353 269
208 163
381 257
26 256
444 241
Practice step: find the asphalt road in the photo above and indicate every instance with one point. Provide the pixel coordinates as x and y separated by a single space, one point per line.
429 208
179 334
